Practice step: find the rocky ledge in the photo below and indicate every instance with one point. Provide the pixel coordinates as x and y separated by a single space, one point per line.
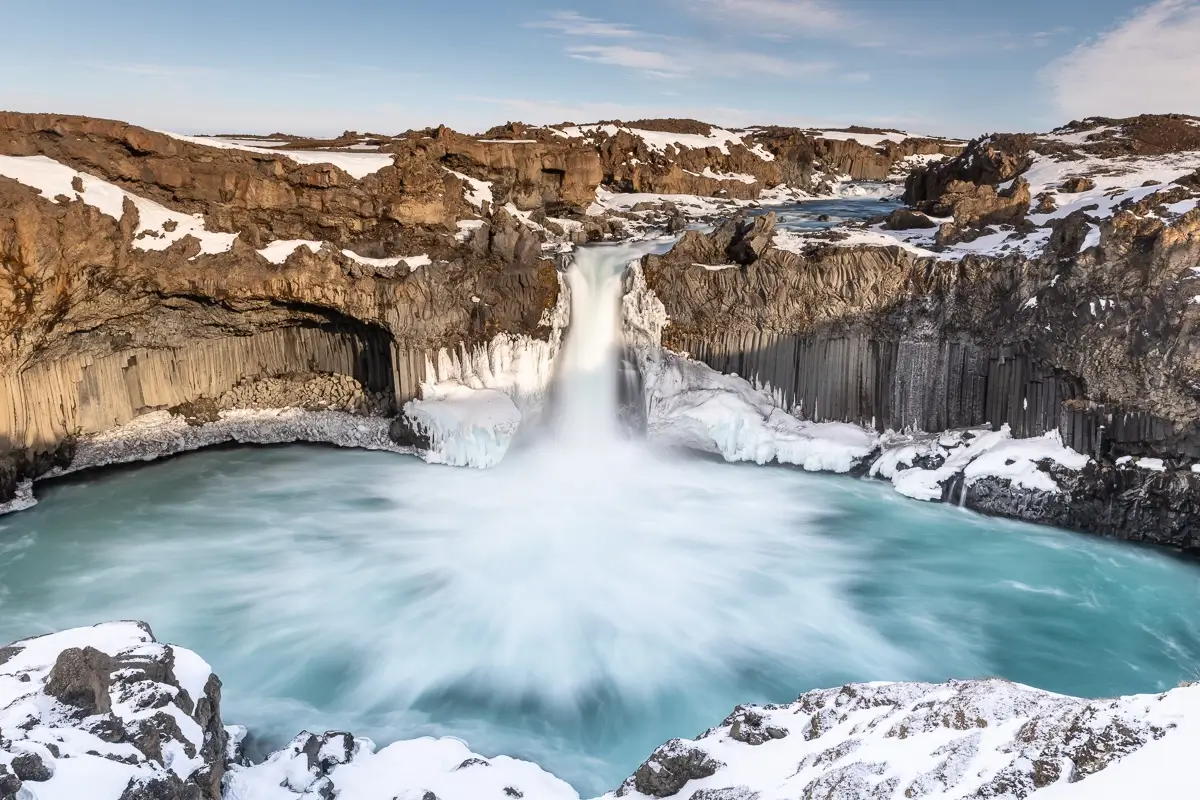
108 713
1038 286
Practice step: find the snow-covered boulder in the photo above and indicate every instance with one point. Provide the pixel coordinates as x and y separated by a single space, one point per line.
963 739
108 713
339 765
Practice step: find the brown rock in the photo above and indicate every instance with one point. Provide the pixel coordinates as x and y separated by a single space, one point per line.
1077 184
82 678
903 219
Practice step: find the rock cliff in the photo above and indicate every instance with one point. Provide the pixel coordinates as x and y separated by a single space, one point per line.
147 272
142 271
1078 317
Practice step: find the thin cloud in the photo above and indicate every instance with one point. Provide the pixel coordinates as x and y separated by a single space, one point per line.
693 60
664 57
649 61
1148 64
794 15
571 23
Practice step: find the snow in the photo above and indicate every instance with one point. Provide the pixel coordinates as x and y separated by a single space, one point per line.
467 228
508 141
22 499
191 671
237 142
160 434
1109 174
661 141
444 768
976 454
53 179
963 739
81 763
868 139
950 741
1152 464
694 205
278 251
1081 137
715 267
477 192
799 241
723 176
412 262
356 164
1118 180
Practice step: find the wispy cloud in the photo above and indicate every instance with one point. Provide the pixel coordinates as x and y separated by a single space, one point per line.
655 63
572 23
664 57
772 15
1148 64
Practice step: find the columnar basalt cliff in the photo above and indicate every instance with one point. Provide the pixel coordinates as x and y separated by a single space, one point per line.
142 272
1077 316
147 272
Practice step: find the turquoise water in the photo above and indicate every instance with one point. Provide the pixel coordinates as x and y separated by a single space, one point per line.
575 613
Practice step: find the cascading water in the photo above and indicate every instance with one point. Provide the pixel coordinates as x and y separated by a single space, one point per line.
585 600
586 383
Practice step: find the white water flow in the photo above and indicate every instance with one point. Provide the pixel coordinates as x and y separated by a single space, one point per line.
585 600
586 382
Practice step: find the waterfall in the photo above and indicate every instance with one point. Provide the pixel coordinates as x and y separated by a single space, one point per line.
587 382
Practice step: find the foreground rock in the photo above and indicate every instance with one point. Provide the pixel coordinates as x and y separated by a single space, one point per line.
108 713
968 739
1075 317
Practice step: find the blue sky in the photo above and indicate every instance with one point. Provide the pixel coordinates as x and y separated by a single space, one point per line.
958 67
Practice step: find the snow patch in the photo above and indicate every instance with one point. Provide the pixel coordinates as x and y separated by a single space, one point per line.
356 164
412 262
54 180
278 251
476 192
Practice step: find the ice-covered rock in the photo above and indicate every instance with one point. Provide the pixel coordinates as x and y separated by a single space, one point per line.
689 404
474 400
920 465
108 713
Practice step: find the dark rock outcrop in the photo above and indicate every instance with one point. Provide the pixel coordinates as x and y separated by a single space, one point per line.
669 768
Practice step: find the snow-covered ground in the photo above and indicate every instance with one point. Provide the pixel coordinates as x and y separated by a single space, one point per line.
662 141
1117 180
355 163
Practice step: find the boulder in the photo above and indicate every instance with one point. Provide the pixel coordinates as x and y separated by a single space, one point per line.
1077 184
903 219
